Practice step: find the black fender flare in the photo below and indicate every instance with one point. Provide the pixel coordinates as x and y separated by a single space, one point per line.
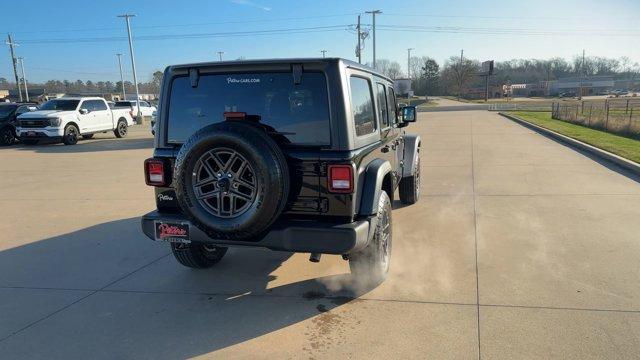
411 153
373 180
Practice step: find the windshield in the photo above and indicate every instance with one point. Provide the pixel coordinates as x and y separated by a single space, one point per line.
300 113
63 105
6 110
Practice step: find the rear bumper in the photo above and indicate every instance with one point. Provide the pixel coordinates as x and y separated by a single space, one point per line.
293 235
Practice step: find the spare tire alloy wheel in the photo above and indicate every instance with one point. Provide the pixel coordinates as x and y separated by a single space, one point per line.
231 180
224 183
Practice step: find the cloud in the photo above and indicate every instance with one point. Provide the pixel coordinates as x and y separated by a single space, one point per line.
252 4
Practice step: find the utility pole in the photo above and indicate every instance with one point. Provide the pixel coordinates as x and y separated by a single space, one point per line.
460 73
14 62
409 62
323 53
359 52
24 78
581 76
373 14
124 93
133 60
220 55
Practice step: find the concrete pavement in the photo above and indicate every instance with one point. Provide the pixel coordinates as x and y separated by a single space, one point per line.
519 248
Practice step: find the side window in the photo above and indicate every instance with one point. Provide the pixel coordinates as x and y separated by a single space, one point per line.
86 105
362 106
391 101
382 106
99 105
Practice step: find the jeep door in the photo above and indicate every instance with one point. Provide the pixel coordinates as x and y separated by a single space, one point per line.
388 133
393 120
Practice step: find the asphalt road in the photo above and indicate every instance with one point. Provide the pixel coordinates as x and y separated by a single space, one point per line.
519 248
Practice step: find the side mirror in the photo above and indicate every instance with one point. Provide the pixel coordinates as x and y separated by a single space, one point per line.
408 114
84 111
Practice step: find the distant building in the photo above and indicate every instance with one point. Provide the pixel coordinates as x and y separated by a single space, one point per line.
402 87
591 85
35 95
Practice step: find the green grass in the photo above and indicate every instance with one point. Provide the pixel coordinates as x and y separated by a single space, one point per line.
628 148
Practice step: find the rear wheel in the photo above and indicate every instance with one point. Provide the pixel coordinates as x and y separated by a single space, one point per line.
6 136
121 129
197 255
71 134
372 263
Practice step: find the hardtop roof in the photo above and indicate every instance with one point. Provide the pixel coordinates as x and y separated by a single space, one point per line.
348 63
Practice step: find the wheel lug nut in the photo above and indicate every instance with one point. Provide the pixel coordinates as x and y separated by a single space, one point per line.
229 175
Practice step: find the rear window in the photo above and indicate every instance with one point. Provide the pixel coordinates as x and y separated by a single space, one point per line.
300 113
121 104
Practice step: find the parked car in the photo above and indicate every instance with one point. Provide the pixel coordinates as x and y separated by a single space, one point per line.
9 113
153 122
300 155
68 119
146 109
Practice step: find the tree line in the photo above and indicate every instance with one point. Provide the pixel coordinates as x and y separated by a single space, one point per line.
456 75
79 86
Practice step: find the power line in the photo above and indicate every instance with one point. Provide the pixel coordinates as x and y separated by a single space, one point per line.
190 36
188 24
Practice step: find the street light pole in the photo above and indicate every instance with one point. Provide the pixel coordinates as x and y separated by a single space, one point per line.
359 52
14 62
24 78
220 55
409 62
373 14
323 52
124 93
133 60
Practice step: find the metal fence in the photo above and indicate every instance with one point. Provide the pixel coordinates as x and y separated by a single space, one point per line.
621 116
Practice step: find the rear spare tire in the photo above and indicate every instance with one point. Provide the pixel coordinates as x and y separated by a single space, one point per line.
231 180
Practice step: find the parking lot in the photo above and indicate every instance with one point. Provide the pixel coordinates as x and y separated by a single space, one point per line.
519 248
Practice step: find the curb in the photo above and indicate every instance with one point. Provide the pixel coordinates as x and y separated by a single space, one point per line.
603 154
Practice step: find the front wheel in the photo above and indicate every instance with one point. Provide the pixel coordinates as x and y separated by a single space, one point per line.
121 129
371 265
409 188
71 134
6 136
197 256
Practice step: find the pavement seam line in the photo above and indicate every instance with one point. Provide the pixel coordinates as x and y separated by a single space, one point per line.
33 323
330 297
475 237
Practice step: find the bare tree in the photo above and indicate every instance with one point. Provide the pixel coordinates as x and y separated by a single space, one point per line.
390 68
458 74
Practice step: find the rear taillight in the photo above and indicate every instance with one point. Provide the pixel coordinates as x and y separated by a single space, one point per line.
154 172
340 178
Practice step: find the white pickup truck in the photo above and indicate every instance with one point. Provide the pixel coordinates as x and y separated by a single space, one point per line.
68 119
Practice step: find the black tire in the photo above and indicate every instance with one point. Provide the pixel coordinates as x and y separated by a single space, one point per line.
87 136
29 142
196 255
71 134
371 265
121 129
6 136
269 177
409 188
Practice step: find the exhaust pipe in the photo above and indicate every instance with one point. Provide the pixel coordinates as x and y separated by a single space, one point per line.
315 257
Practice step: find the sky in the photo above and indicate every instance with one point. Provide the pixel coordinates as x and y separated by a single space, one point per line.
70 39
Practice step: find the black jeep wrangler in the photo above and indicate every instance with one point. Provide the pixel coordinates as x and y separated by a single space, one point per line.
300 155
